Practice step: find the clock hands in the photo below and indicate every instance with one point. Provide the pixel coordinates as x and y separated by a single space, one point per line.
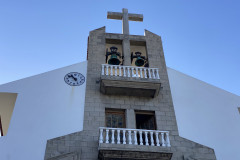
71 76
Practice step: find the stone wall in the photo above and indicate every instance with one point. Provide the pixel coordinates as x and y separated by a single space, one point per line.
85 143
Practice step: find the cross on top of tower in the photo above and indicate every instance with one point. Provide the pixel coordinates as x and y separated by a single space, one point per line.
125 17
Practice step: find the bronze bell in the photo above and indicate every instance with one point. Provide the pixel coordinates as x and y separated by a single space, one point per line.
139 61
114 60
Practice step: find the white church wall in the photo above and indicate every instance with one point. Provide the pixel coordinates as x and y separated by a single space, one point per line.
46 107
206 114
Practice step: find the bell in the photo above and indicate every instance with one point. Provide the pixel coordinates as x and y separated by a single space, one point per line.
114 60
139 62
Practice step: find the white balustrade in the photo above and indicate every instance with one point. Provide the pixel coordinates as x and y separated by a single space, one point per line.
120 71
134 136
130 71
118 136
146 138
140 135
106 140
124 72
115 68
113 139
129 137
111 70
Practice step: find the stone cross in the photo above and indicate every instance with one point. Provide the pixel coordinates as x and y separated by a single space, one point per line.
125 17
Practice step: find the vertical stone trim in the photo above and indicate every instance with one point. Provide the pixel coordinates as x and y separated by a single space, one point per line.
130 118
126 51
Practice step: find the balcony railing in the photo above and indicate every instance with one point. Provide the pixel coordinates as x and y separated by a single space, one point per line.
130 71
134 136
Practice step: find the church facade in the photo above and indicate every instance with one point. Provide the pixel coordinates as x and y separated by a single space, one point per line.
128 112
122 103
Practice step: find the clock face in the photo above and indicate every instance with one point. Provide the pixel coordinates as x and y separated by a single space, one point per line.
74 79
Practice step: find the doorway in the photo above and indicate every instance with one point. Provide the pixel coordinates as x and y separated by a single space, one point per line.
145 120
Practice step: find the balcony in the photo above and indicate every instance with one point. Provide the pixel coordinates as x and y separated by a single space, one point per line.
130 81
134 137
133 144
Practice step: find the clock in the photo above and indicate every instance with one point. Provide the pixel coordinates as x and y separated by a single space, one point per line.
74 79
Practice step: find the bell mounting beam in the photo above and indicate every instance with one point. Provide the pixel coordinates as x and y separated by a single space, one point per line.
125 17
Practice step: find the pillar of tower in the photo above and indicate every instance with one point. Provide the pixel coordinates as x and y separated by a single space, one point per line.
126 51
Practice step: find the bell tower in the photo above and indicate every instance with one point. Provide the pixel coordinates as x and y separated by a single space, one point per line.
129 113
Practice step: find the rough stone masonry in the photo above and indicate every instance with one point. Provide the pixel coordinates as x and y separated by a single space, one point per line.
85 145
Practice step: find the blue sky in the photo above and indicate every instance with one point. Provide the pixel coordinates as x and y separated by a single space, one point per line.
200 38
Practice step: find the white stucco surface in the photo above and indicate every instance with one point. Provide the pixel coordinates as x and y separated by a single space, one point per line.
46 107
206 114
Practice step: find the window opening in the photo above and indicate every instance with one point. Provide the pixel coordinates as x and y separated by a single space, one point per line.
145 120
115 118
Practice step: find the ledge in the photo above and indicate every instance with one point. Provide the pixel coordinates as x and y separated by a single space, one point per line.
129 86
134 152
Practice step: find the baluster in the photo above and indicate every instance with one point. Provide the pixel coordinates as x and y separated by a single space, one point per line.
137 72
111 70
120 71
149 73
124 72
146 138
157 139
115 67
141 140
157 74
152 141
118 136
128 68
135 138
107 138
132 72
102 69
101 136
153 73
141 73
163 141
124 136
145 73
113 140
129 137
107 70
167 139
